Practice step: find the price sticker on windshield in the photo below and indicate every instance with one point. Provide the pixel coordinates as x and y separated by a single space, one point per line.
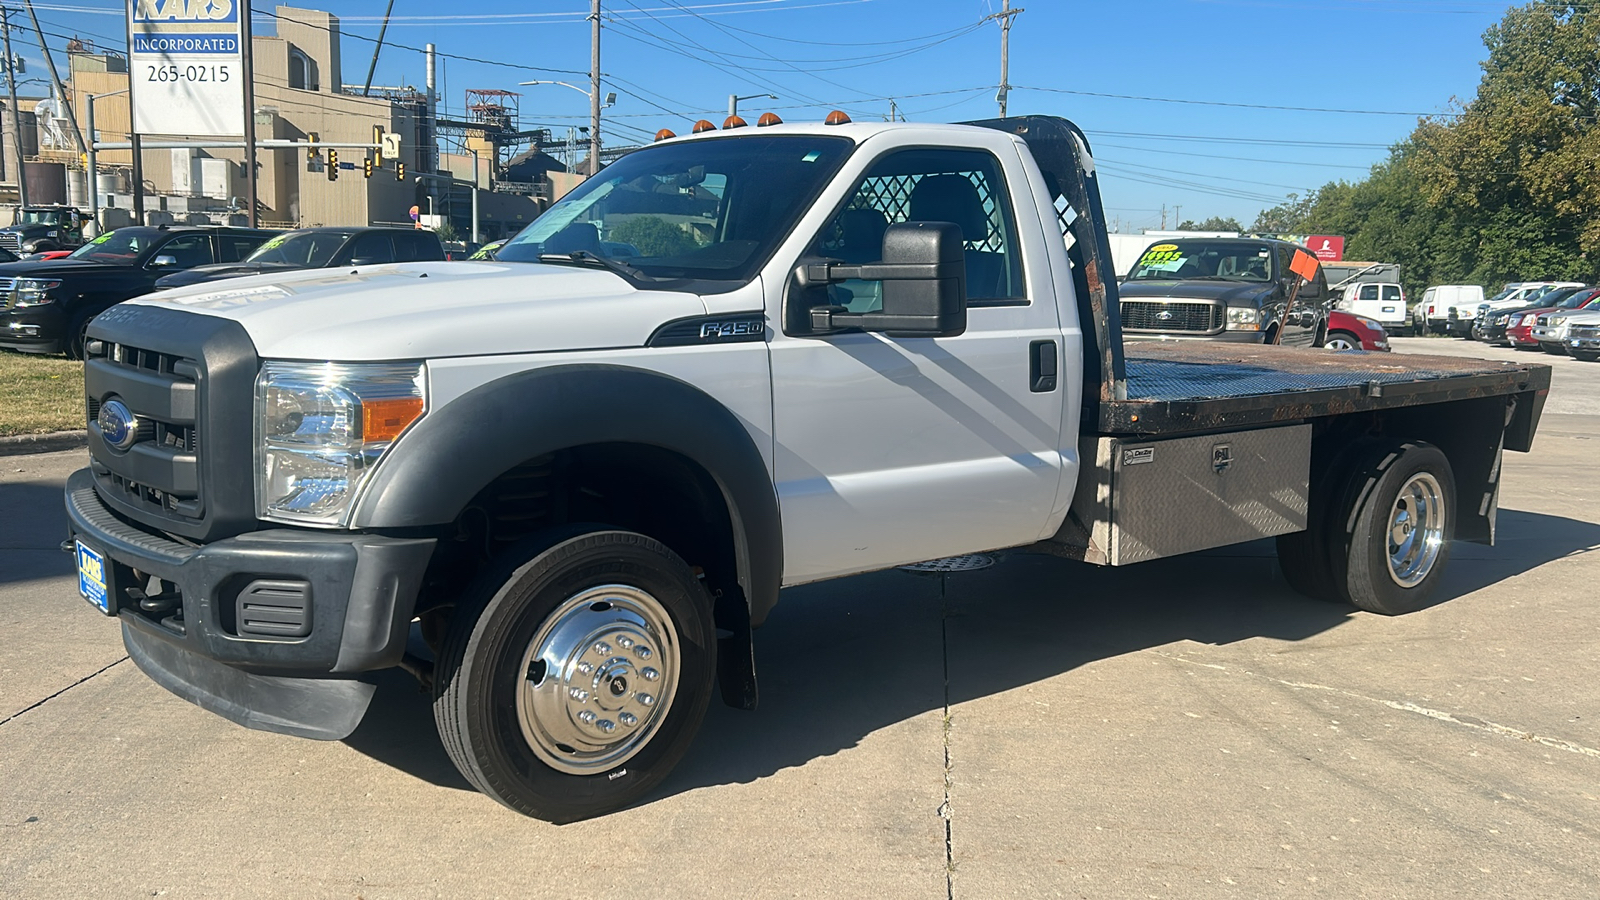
1161 253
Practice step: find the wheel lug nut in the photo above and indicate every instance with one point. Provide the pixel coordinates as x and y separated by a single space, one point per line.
624 642
642 651
585 668
602 647
628 719
649 674
578 694
606 725
646 700
586 717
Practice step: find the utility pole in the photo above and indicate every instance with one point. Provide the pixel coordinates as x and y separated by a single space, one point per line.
594 88
1163 217
1177 215
49 61
14 122
1005 15
247 62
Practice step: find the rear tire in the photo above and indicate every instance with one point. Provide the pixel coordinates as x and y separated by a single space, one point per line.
1584 355
1393 532
575 673
1552 348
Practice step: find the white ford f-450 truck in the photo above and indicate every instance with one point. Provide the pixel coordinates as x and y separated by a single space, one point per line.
730 363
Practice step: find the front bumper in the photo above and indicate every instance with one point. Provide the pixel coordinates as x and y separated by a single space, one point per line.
359 594
1231 337
34 329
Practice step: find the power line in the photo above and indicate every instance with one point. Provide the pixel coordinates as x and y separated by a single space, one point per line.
1282 162
1315 109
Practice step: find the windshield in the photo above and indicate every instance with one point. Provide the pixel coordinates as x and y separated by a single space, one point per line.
117 247
708 209
310 249
42 217
1219 260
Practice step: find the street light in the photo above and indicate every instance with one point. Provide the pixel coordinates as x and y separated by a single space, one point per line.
733 102
594 117
93 174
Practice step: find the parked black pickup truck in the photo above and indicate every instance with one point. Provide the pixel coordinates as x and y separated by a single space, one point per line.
319 248
1223 289
48 303
35 229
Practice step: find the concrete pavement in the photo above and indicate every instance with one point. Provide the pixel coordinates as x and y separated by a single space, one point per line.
1183 728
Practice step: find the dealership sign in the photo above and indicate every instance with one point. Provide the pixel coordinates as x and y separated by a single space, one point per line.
1327 247
185 69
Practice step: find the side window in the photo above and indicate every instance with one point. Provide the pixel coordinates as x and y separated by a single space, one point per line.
1391 293
235 247
417 246
1285 256
189 250
372 249
1369 292
960 186
1314 290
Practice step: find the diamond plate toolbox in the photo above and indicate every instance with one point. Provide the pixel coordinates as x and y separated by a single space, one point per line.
1151 499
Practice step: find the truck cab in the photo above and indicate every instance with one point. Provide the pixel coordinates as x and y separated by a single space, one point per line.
582 480
35 229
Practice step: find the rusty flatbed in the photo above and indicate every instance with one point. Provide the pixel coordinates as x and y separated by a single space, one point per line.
1182 387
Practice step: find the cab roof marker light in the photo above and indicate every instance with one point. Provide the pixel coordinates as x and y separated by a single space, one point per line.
703 125
665 134
768 118
837 117
733 122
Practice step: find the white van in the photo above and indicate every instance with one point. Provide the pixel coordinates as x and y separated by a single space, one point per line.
1383 301
1432 312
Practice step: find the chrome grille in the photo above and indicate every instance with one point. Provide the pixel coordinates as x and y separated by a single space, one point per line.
1172 316
1584 331
8 292
11 240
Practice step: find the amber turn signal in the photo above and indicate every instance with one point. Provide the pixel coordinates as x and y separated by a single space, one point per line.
768 119
384 419
664 133
732 122
837 117
703 125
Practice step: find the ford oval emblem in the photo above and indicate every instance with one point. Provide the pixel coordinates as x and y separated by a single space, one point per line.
1164 316
118 425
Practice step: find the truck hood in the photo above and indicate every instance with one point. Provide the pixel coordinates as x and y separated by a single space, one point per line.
45 268
1231 293
433 310
220 271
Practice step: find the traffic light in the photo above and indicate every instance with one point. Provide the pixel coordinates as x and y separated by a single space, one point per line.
333 164
399 171
366 167
311 147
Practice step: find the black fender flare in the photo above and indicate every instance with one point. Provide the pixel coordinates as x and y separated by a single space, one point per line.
454 452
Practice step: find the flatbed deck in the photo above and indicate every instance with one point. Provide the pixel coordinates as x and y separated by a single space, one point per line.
1185 387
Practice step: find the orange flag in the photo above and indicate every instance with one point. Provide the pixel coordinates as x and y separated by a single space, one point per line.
1304 265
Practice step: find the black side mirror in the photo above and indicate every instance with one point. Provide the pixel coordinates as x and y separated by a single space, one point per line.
924 275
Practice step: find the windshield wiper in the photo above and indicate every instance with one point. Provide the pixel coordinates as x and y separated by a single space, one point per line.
586 258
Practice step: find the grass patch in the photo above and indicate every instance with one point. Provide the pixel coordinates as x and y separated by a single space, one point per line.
39 394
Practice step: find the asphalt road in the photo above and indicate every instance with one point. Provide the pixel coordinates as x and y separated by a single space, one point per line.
1184 728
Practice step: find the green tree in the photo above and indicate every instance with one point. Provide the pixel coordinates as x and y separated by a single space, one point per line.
653 236
1215 223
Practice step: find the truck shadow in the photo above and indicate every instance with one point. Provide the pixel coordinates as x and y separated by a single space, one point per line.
842 659
33 523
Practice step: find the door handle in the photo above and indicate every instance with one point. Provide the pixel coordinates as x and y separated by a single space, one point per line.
1042 367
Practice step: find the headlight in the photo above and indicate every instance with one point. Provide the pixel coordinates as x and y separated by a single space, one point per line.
34 291
1242 318
1514 321
1500 320
321 428
1557 320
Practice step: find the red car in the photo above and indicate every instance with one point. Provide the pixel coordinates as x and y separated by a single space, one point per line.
1347 331
1520 334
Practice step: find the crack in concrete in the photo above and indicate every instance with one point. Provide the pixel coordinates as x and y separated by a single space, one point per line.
944 808
1405 706
33 706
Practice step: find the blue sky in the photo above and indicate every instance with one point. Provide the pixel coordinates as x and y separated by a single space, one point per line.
671 61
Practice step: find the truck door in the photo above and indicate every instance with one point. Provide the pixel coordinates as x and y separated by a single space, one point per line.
892 450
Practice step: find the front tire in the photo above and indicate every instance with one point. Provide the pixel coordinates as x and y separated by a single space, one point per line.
1342 340
1584 355
576 673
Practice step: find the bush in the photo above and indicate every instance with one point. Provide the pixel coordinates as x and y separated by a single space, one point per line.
653 236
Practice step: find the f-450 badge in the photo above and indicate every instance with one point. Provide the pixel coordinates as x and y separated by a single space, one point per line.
710 331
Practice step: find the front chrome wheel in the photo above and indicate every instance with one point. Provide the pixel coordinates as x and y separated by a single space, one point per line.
1416 529
597 679
1341 342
